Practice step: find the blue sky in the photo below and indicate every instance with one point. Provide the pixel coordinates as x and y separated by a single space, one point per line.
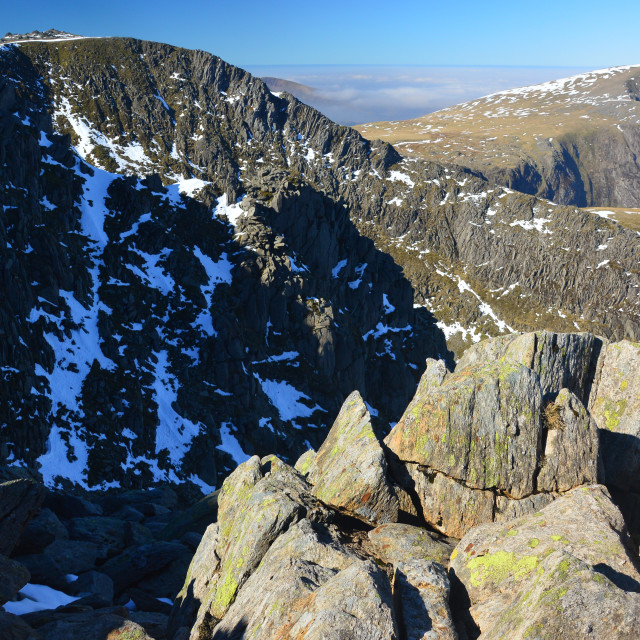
374 60
566 33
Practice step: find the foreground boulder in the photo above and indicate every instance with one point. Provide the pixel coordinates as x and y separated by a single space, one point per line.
281 563
19 502
564 572
477 445
350 470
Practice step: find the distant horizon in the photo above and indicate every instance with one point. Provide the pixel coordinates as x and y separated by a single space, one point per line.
352 94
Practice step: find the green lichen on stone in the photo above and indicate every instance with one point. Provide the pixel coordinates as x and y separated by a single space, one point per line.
512 532
500 566
225 594
557 538
613 411
533 543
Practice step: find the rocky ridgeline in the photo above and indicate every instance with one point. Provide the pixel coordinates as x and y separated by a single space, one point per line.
146 338
481 258
486 512
267 264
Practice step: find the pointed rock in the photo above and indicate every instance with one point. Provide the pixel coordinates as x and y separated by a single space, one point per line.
350 470
571 450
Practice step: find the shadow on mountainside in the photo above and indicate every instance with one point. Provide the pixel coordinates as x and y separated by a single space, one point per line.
313 309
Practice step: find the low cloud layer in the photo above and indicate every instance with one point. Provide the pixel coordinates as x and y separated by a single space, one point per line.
358 94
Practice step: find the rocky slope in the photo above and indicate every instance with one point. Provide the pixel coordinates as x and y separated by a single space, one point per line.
574 141
268 263
368 538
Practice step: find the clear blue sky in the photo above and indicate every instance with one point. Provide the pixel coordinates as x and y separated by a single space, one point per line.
585 33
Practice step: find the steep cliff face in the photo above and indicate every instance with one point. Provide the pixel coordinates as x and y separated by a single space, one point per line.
574 141
149 335
166 332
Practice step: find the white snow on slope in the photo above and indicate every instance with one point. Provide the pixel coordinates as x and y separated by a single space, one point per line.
286 399
75 353
173 432
217 272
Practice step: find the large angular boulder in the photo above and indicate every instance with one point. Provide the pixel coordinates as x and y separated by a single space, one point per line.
260 500
19 502
615 406
349 471
300 561
479 445
563 572
481 427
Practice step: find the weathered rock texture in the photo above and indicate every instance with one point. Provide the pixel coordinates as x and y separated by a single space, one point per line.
281 564
564 572
350 470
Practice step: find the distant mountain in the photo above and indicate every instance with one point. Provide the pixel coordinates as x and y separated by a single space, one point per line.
49 35
196 270
296 89
574 141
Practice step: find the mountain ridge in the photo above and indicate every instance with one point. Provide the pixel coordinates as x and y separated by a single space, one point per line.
300 193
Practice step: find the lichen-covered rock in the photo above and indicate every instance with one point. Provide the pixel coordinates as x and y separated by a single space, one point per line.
397 542
305 462
350 470
481 427
563 597
449 505
561 360
421 595
198 582
615 406
571 452
298 562
355 603
260 500
579 539
482 444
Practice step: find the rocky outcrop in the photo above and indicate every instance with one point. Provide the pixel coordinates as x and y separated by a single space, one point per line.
287 299
565 571
349 471
491 437
299 568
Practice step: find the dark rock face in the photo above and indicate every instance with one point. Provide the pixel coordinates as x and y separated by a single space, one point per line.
180 337
19 502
